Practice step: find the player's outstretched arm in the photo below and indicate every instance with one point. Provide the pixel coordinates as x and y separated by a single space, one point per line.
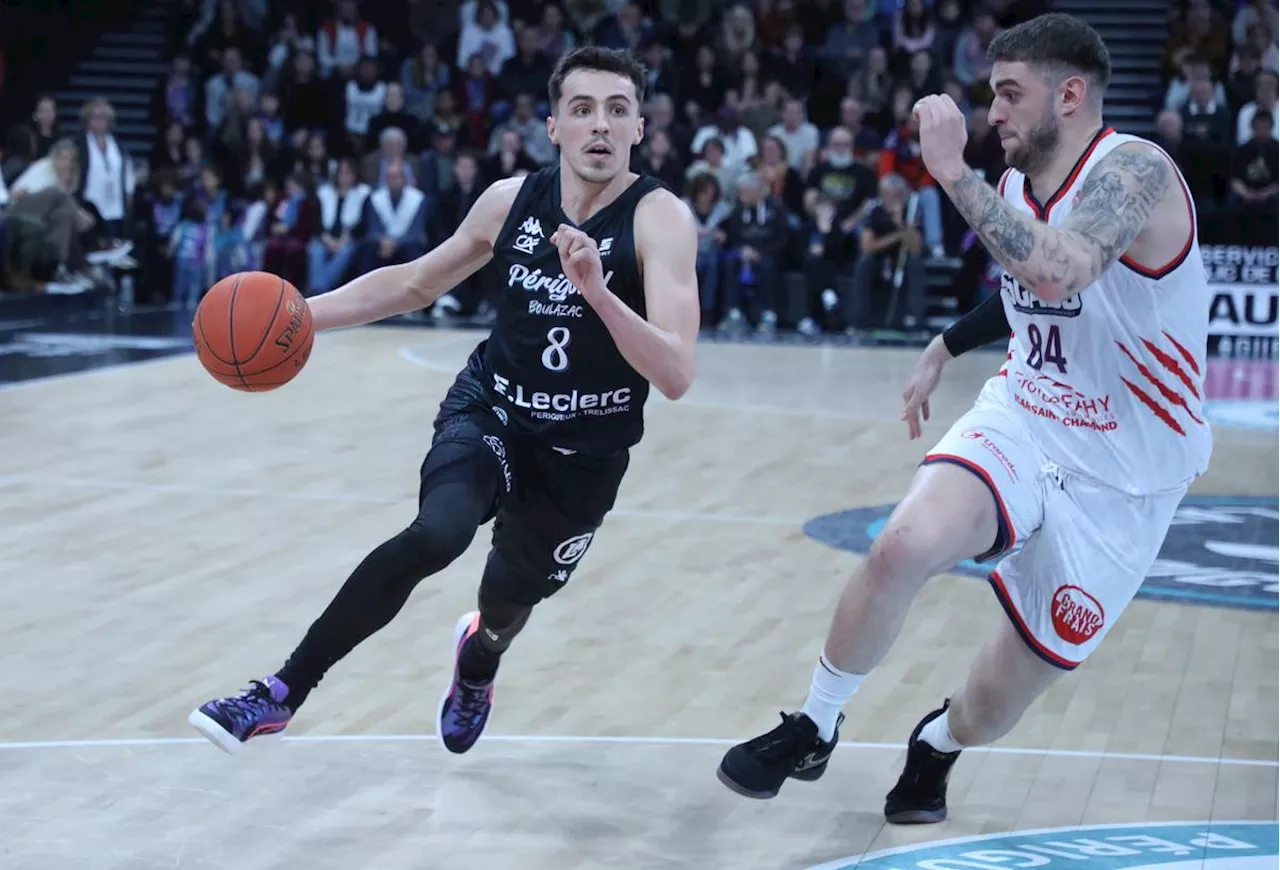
411 286
1116 204
661 346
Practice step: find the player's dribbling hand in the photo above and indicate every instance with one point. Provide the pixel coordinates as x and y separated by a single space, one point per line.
580 259
943 134
923 381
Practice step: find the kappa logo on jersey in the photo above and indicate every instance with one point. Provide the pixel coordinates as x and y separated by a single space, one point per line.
1025 302
572 550
1219 551
530 236
1145 846
558 289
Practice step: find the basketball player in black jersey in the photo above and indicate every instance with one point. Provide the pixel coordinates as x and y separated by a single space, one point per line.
600 301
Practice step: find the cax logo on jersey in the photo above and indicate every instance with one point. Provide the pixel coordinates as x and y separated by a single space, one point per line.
1223 552
1025 302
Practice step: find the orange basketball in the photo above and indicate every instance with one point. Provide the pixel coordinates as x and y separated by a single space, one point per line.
253 331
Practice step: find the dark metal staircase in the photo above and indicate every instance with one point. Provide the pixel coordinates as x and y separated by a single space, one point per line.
125 67
1135 32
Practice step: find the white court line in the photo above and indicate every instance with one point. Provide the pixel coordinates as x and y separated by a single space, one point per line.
185 489
535 739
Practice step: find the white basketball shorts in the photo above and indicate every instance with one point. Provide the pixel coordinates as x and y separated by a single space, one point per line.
1073 552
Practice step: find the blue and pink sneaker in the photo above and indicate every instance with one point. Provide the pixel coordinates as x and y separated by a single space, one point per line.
465 707
258 712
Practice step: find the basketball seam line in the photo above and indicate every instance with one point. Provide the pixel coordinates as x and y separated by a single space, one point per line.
270 323
231 329
307 318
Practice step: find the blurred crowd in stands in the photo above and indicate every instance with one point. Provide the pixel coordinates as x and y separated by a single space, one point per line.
319 141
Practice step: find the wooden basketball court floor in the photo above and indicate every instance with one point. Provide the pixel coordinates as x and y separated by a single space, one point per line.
164 539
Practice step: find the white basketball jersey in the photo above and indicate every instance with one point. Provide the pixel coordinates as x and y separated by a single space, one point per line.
1112 378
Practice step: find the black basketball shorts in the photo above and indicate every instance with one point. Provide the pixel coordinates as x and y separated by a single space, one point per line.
547 505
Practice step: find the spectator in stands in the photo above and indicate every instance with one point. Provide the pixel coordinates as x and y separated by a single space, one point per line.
739 143
626 30
396 217
970 63
192 164
1264 100
47 195
393 150
872 87
343 41
849 42
532 130
950 25
43 129
781 180
106 172
511 158
1200 31
452 206
737 35
230 31
703 87
423 75
1242 84
395 114
799 137
712 162
831 250
923 77
660 74
488 37
755 236
477 92
291 225
1206 143
913 31
1263 41
160 215
363 99
339 229
526 72
983 151
272 121
661 115
552 37
258 159
846 181
287 42
866 141
657 158
220 89
794 67
1251 13
901 159
891 262
1194 68
1255 169
309 103
190 242
706 202
316 161
178 96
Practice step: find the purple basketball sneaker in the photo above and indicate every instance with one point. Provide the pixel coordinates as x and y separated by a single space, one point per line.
465 707
257 712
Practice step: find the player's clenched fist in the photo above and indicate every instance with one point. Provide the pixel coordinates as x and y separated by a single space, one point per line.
580 259
943 134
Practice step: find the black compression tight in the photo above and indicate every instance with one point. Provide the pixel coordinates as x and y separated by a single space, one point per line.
450 514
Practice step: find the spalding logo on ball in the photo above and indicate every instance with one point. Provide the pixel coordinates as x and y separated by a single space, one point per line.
253 331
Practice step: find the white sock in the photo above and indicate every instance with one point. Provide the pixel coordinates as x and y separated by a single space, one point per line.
830 690
938 734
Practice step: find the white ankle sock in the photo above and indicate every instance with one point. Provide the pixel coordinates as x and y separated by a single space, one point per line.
830 690
938 734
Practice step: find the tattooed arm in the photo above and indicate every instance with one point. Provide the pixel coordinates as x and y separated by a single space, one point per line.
1116 205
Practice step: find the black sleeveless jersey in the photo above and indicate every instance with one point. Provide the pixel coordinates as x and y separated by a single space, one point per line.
550 362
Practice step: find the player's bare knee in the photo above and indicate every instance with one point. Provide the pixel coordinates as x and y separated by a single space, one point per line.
907 554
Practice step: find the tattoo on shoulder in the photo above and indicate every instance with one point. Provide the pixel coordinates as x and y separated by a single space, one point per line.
1117 201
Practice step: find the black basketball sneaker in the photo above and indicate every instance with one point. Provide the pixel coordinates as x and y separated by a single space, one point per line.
759 767
920 797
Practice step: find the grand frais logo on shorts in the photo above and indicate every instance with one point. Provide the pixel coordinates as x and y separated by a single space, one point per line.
1220 551
1207 845
1077 615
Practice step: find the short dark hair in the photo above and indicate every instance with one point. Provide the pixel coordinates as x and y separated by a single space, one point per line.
593 57
1059 44
1262 116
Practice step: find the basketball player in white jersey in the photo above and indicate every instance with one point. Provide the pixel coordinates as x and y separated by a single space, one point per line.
1066 472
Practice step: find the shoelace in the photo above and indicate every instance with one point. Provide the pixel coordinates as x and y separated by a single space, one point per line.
471 703
785 741
252 701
